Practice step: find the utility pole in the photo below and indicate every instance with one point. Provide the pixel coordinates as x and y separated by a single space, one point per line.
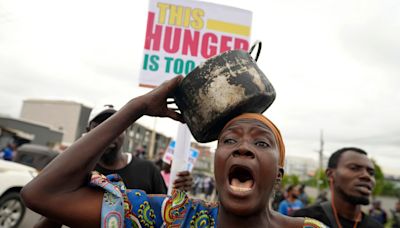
321 150
321 156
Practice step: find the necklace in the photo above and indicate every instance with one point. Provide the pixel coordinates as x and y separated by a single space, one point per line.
358 217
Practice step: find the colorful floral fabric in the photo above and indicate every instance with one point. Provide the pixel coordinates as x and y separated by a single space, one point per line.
312 223
134 208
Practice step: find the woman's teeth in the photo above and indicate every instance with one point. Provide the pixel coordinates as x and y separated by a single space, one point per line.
237 185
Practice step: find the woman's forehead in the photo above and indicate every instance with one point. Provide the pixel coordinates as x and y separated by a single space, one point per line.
242 122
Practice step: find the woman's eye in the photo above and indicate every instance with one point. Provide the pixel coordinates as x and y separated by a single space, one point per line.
229 141
354 168
262 144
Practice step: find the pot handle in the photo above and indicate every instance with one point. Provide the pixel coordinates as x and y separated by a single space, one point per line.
257 43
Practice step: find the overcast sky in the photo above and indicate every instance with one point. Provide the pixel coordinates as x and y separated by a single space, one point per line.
334 64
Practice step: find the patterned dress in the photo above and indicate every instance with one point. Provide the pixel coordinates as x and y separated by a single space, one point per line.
134 208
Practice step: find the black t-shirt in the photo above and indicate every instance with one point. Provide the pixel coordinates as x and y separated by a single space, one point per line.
139 174
316 212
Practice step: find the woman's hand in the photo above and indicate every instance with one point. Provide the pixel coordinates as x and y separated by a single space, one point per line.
184 181
156 100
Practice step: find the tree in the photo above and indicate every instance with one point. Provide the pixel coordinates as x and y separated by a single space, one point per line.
319 180
379 178
322 179
290 180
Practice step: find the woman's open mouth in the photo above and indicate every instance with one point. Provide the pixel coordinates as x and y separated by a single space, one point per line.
240 179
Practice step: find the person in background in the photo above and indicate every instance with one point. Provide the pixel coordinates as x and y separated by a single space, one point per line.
196 189
279 196
249 160
140 152
136 173
322 197
291 203
209 188
303 197
166 172
8 152
377 213
352 178
396 215
158 160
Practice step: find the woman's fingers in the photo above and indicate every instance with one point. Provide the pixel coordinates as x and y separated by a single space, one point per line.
186 186
174 115
184 181
184 174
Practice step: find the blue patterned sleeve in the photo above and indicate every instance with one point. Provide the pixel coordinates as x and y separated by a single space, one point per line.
128 208
112 211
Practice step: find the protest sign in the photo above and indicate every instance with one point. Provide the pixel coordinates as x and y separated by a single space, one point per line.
181 34
191 156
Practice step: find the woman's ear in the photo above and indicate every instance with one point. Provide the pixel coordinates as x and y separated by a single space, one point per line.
278 180
279 176
329 173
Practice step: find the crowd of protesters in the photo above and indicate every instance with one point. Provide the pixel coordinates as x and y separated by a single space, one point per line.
247 177
350 172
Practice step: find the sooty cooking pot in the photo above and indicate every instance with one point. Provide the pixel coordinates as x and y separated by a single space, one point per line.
221 88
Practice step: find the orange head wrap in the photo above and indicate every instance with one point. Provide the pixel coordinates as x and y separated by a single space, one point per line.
269 124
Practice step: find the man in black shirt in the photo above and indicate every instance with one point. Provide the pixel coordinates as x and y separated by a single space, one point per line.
136 173
351 176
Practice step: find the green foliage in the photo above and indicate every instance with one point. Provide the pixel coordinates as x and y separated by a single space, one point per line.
390 189
323 179
318 180
290 180
382 186
379 178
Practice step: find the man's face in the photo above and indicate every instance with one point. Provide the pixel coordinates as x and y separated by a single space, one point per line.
376 205
295 192
397 208
111 152
160 153
354 177
246 166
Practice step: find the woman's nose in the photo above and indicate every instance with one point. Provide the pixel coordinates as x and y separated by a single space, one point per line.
243 150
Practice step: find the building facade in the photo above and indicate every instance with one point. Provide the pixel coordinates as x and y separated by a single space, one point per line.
22 131
65 116
139 136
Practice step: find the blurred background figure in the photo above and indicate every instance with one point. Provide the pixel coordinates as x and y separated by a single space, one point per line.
8 152
322 197
377 213
396 215
278 198
196 185
166 172
303 197
158 160
140 152
291 203
208 187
